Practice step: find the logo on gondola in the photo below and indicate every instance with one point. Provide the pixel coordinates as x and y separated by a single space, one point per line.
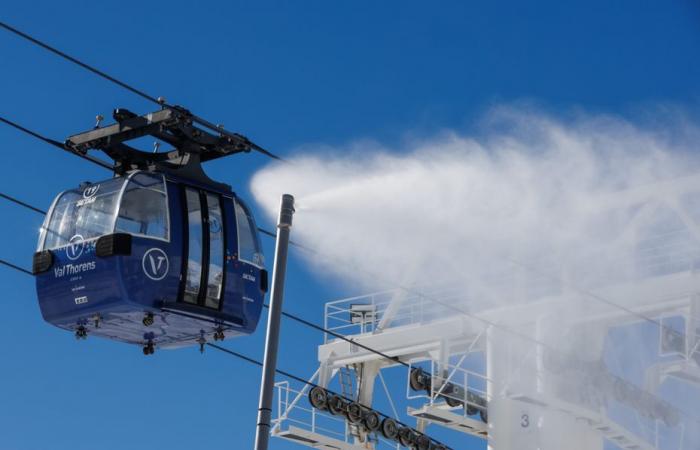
91 190
88 195
75 247
155 264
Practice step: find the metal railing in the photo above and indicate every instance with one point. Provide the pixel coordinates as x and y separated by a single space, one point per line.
464 390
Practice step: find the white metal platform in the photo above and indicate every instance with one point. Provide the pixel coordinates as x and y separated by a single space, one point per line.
315 439
444 415
685 370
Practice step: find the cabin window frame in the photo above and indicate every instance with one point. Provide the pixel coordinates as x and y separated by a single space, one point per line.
43 231
49 216
202 194
246 210
168 230
47 220
186 247
222 285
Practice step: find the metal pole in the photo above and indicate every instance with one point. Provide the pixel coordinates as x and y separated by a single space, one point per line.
284 224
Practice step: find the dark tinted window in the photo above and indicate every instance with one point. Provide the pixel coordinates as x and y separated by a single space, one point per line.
216 252
194 261
248 244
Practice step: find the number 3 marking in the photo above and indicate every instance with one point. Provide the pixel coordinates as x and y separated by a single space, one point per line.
524 421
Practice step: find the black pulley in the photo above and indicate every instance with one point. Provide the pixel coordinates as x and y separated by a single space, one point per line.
422 442
407 437
336 405
318 398
418 380
452 401
354 413
389 429
372 421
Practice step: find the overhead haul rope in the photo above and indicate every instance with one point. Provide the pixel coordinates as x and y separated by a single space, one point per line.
159 101
15 266
55 143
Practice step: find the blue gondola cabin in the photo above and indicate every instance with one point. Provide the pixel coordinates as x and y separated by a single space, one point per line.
151 257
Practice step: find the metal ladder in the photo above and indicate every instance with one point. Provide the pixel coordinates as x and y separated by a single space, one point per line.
347 388
346 384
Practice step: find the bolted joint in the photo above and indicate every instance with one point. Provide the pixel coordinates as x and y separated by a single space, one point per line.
286 211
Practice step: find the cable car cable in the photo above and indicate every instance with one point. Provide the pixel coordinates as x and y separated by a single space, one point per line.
16 267
57 144
159 101
268 233
296 244
21 203
395 359
77 61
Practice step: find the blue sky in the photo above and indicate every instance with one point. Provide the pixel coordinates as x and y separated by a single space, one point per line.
286 74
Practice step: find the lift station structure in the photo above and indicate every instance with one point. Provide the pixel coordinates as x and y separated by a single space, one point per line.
491 372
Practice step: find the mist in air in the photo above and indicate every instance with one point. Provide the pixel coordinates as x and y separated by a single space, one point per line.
529 209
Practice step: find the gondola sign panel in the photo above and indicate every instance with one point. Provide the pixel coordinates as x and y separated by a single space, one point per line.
155 264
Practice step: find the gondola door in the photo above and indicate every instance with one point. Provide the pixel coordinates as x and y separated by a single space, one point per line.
205 244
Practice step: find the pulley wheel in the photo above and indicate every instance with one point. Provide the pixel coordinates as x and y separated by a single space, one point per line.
336 405
417 380
422 442
318 398
354 413
372 421
389 429
452 401
406 437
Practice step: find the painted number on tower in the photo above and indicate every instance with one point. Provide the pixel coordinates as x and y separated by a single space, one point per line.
525 421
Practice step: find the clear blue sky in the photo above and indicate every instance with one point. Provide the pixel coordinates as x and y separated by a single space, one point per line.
286 74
